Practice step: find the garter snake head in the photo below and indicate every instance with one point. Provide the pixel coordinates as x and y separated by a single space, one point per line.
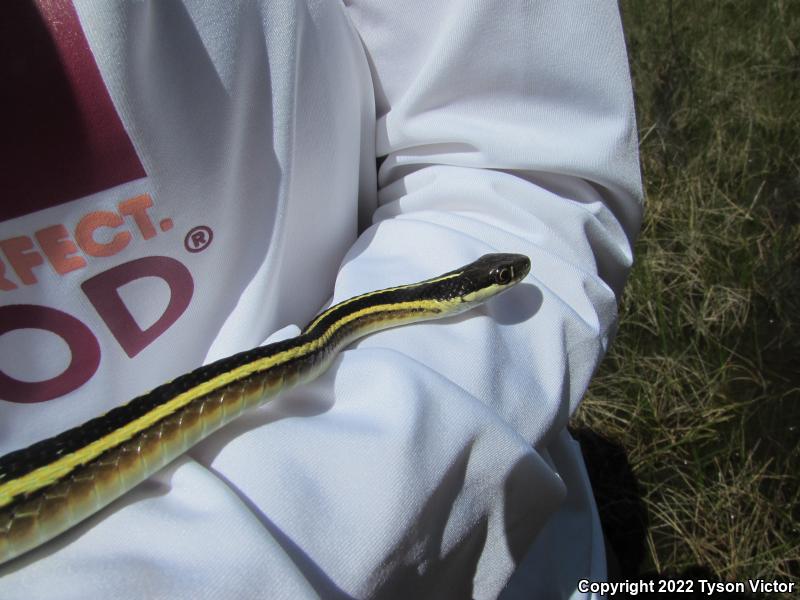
476 282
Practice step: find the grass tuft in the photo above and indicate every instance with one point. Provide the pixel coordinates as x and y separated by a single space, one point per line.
702 385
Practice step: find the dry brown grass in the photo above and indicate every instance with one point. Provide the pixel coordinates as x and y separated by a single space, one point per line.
702 386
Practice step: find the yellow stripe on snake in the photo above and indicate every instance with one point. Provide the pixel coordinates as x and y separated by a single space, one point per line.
54 484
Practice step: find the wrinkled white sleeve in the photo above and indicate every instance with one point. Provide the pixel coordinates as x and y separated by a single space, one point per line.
505 126
430 461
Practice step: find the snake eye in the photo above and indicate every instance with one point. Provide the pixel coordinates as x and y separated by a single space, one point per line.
504 275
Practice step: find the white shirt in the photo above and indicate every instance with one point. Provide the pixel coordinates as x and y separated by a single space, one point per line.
430 460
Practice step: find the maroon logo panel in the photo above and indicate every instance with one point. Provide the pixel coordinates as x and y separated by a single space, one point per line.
61 136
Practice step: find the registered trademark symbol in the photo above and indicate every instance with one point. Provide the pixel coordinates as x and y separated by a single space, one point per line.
198 238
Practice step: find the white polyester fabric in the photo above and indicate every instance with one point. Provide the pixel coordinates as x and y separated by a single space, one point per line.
430 461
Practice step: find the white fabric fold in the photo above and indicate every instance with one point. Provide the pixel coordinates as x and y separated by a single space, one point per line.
430 461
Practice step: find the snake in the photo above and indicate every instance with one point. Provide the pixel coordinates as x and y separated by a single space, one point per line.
54 484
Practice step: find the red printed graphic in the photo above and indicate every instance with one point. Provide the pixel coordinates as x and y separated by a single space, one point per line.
59 248
102 291
198 239
61 136
63 140
82 345
21 254
97 234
